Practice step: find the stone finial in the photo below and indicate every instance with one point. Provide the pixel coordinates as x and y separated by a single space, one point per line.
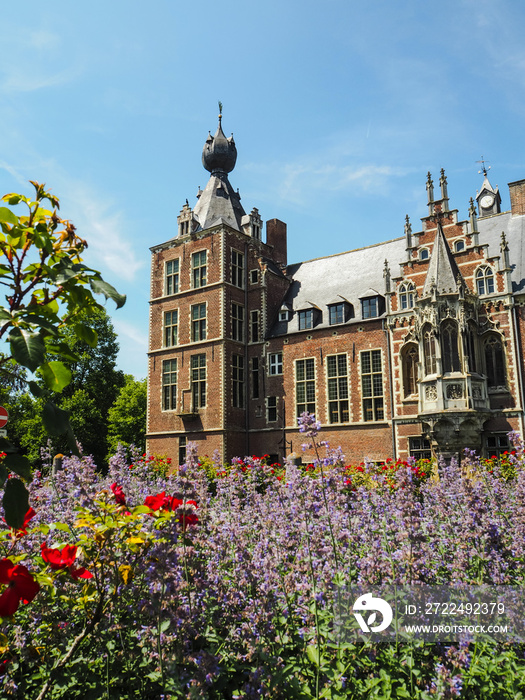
504 246
386 275
430 188
443 186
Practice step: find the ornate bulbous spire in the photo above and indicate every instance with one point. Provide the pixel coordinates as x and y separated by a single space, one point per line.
219 154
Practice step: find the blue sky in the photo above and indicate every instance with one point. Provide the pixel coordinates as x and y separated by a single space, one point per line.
338 110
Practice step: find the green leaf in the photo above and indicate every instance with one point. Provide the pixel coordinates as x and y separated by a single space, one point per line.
4 473
87 334
7 216
15 502
63 350
27 348
56 421
19 464
35 389
56 375
312 652
99 286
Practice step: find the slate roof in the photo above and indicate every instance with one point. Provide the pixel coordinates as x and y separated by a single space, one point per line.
490 228
443 271
219 203
349 275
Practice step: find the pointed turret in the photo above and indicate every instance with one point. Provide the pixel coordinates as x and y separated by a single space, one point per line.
443 274
218 202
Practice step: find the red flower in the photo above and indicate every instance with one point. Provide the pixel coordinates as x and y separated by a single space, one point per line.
120 496
21 586
64 559
23 530
156 502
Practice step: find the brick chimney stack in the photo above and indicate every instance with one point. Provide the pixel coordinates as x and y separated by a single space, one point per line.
276 237
517 197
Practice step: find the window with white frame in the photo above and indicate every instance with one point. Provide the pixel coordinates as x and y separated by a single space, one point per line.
198 269
171 325
406 296
337 372
485 280
237 269
459 246
304 386
198 381
372 385
254 276
237 322
424 254
275 363
198 322
169 385
172 277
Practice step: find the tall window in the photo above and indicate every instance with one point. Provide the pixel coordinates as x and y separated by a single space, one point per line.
198 322
237 269
169 385
306 319
337 389
255 377
337 313
183 441
254 326
304 386
372 385
271 409
172 276
238 381
370 307
198 267
420 448
469 342
497 444
410 358
198 381
171 324
429 348
275 362
406 296
494 361
237 322
485 280
450 348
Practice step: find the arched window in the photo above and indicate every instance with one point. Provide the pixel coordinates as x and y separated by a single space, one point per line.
449 347
469 345
485 280
423 254
495 361
406 296
429 349
410 358
459 246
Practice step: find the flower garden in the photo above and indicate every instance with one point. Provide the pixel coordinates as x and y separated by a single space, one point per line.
216 581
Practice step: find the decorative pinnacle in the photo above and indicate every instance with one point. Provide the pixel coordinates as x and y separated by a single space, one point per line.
220 111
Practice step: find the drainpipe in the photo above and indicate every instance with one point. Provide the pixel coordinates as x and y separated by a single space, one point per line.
519 365
246 368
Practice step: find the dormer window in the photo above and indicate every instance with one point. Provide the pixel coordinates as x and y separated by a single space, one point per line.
306 319
336 313
370 307
423 254
284 313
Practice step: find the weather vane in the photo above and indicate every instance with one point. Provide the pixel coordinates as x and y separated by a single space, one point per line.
484 169
220 111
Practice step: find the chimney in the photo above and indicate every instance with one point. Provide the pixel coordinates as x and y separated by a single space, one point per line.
517 197
276 237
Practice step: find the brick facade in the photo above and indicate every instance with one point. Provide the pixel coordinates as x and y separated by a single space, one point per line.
414 346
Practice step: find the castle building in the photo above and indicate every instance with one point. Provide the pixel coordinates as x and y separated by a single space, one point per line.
413 346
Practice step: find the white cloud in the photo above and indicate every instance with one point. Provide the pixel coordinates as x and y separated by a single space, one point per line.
131 332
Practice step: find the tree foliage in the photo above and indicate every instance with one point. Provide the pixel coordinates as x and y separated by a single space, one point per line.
127 416
48 289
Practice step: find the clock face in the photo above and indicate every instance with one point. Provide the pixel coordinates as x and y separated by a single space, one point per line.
486 201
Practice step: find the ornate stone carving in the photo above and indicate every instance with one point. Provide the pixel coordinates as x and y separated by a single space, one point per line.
476 392
431 393
454 391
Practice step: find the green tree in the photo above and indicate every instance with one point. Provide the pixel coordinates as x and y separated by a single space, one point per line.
48 289
127 416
